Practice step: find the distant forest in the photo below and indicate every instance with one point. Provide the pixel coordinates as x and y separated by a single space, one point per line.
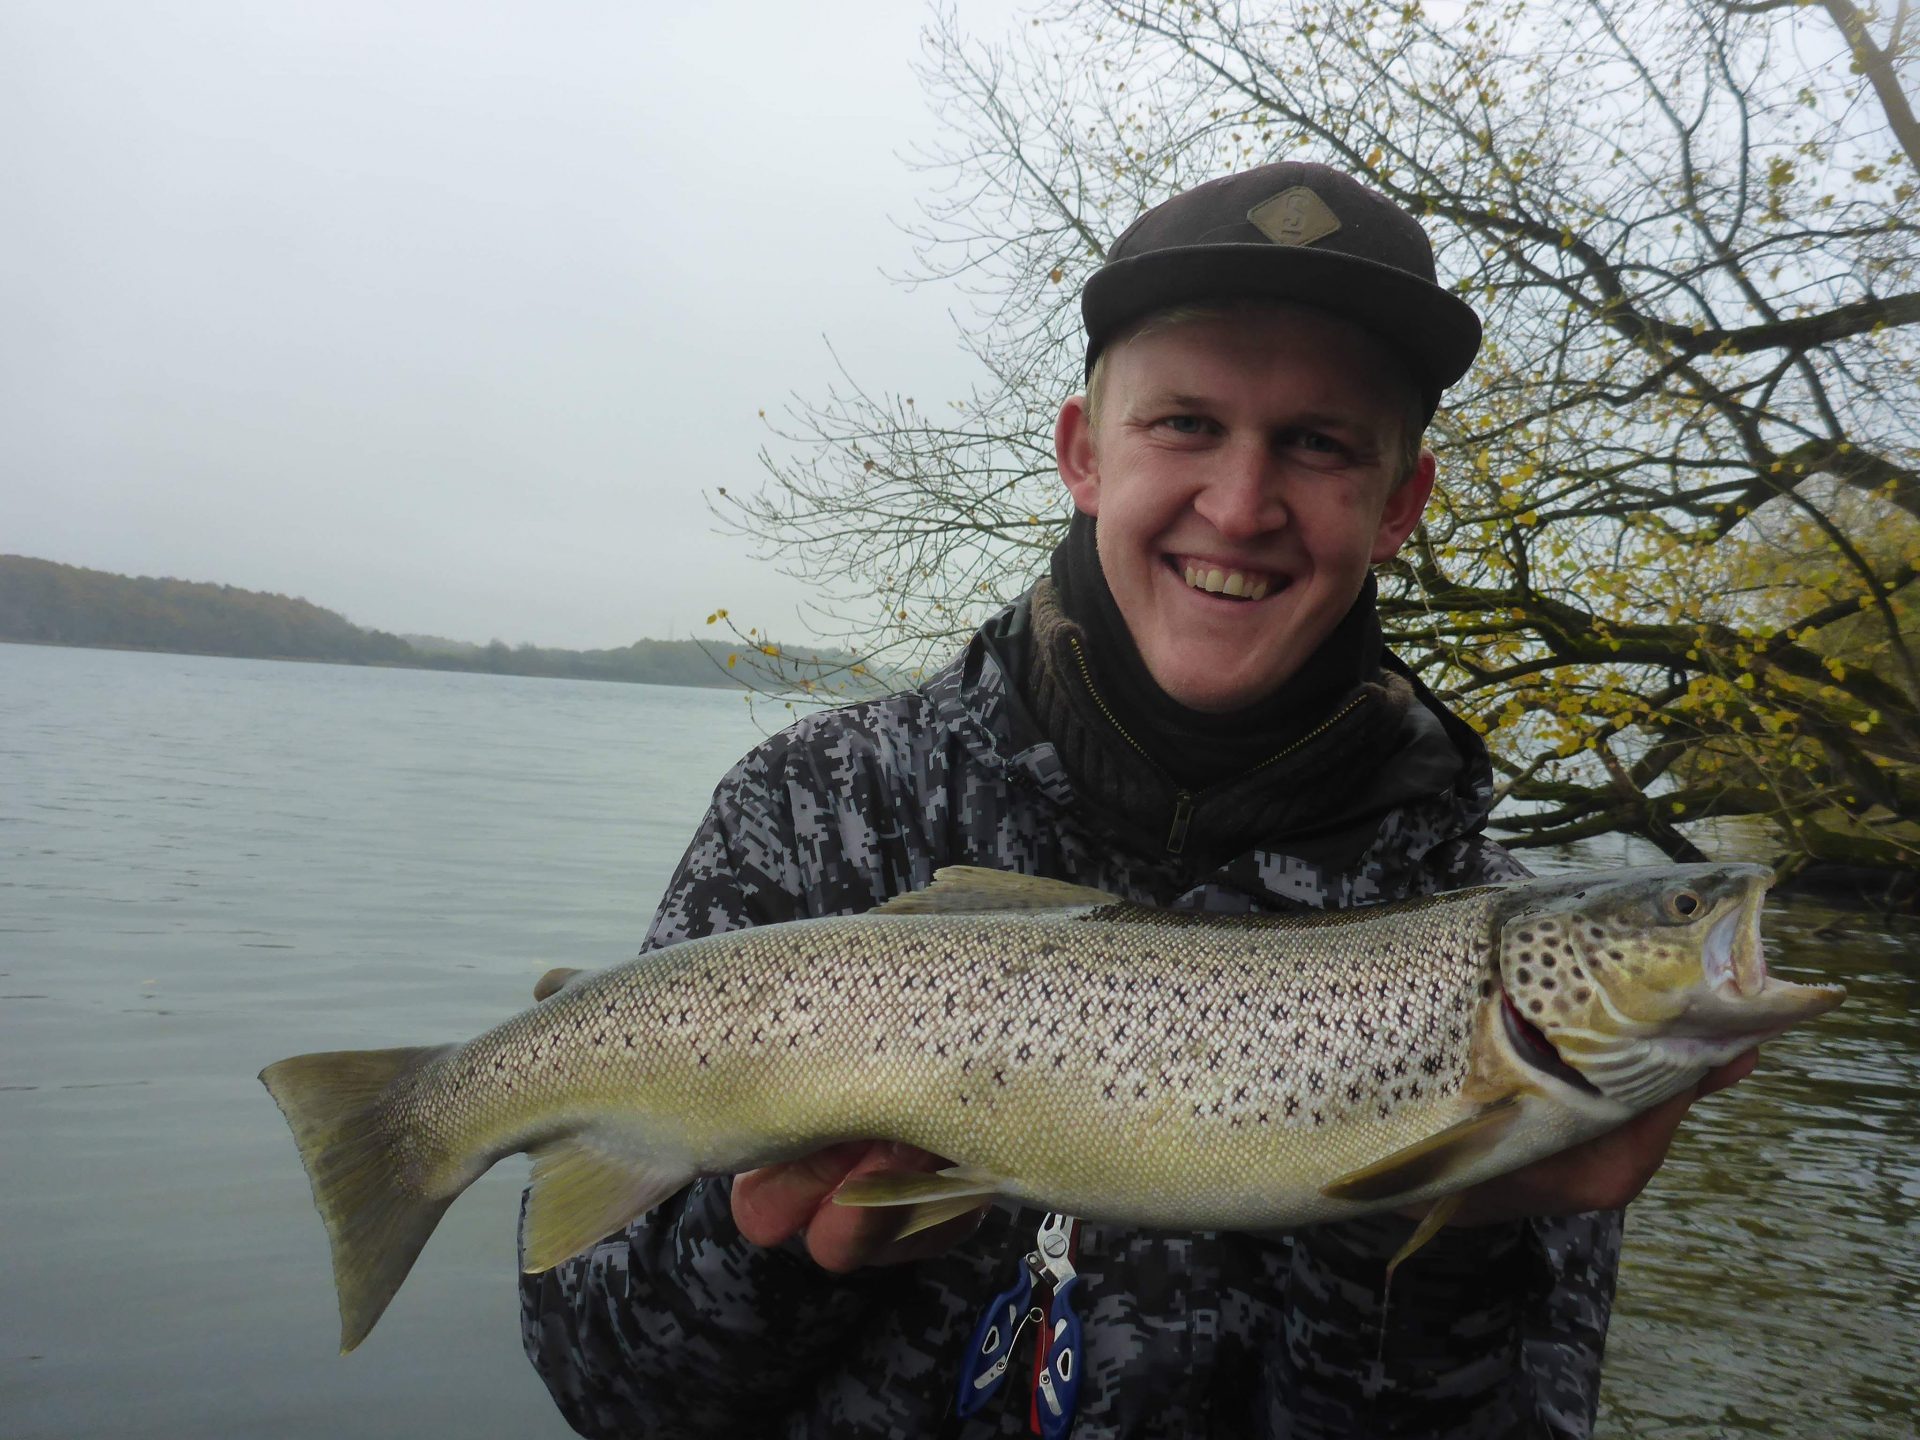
45 603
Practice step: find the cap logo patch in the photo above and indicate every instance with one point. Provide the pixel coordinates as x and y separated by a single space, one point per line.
1294 217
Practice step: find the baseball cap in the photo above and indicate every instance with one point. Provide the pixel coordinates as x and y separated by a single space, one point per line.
1288 231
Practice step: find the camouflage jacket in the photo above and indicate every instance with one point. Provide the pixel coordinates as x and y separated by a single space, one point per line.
679 1328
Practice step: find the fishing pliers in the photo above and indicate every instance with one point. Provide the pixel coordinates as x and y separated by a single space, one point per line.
1049 1266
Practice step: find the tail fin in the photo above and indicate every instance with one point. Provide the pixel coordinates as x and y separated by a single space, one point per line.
377 1223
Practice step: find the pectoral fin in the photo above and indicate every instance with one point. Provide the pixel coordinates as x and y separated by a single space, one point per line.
935 1197
1435 1158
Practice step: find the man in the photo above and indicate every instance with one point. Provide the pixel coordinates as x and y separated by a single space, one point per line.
1194 710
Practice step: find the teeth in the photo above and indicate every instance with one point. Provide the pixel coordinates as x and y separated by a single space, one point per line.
1227 582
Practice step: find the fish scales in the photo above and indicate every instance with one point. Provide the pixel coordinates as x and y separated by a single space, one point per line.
1241 1053
1064 1047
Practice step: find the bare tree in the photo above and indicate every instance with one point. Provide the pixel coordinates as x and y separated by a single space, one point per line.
1670 569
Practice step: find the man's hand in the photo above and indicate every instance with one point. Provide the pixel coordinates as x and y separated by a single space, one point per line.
776 1202
1606 1173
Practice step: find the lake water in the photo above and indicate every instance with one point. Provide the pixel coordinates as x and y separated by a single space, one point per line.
209 864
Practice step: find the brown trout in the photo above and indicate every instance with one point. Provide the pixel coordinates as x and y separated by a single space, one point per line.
1066 1048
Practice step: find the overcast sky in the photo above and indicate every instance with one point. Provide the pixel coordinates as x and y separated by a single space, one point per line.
443 313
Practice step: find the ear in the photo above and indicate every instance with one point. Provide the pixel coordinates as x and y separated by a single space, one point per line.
1405 505
1073 452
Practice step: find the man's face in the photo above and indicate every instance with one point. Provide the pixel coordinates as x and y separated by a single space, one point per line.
1243 472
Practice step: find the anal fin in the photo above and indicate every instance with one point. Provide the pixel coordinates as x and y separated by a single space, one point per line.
581 1193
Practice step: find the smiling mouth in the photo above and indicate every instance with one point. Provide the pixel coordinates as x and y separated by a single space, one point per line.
1237 584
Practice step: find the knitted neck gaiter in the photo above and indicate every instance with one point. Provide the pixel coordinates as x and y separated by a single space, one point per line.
1198 748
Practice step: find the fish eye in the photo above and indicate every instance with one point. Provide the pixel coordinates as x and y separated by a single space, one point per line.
1684 903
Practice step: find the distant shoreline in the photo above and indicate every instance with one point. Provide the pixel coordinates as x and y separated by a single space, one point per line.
45 602
721 682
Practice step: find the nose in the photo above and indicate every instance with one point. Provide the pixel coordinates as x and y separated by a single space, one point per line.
1241 498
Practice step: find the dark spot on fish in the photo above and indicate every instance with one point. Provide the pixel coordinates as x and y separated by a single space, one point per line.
1615 955
1524 976
1546 982
1486 988
1536 1006
1583 994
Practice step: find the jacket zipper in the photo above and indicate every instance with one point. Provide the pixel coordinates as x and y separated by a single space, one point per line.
1183 798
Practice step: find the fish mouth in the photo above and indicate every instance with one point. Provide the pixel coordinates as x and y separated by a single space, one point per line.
1741 1002
1734 957
1530 1043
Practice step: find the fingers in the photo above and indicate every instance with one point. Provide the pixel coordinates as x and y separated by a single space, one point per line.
1732 1073
1606 1173
774 1203
777 1202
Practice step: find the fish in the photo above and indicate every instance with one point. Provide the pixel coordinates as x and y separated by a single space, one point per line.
1064 1047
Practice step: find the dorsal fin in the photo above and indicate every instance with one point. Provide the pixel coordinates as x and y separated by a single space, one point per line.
975 890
